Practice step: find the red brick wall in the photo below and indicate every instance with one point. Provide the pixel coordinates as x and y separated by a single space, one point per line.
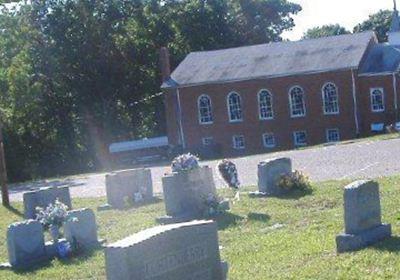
367 117
314 123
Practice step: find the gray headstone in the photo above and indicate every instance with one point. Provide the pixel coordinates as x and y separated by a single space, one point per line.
362 217
25 243
185 193
126 183
186 251
81 227
43 197
269 174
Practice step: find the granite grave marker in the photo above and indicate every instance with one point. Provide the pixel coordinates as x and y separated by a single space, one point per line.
186 251
362 217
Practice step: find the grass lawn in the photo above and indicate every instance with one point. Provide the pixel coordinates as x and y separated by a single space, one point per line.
261 238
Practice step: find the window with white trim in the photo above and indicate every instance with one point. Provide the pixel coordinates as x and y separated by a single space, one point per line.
265 105
207 141
297 104
300 138
332 135
269 140
235 107
205 109
238 142
330 98
377 100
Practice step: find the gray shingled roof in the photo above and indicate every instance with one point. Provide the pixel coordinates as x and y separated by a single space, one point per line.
272 60
381 58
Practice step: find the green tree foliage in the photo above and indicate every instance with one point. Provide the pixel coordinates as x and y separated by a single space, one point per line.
325 31
379 22
74 73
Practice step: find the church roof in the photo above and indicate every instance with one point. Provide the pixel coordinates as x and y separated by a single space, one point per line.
380 59
272 60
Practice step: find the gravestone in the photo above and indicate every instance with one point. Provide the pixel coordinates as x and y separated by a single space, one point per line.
362 217
81 228
185 194
269 174
43 197
125 184
186 251
25 244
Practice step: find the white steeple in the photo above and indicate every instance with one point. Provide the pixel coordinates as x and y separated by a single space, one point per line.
394 32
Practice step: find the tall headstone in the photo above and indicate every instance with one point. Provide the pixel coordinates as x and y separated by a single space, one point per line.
362 217
81 228
25 244
186 251
185 194
125 184
269 174
43 197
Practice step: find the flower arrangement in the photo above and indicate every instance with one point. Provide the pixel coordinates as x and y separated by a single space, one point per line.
295 181
185 162
53 215
213 205
229 173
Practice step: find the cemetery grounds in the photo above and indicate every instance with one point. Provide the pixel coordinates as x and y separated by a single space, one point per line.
291 237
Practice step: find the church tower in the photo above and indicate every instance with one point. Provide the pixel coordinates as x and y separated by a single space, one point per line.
394 32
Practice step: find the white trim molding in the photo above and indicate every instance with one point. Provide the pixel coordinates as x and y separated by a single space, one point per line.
269 94
209 110
229 107
372 92
355 102
337 112
291 104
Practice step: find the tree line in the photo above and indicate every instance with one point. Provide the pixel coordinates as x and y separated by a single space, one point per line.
74 73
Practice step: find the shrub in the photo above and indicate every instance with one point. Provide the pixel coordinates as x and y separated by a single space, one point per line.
295 181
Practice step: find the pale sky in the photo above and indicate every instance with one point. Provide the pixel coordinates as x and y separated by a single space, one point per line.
347 13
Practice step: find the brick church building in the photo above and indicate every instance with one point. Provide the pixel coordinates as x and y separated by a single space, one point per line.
269 97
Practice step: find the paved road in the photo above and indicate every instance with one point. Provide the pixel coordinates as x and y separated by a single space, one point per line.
364 159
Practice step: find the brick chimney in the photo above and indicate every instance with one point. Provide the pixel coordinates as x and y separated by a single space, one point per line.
165 64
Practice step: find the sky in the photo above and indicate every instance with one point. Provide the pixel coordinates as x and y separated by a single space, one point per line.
347 13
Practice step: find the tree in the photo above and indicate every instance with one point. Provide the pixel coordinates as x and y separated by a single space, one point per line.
379 22
325 31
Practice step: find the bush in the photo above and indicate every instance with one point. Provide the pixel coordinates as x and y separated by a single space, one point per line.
295 181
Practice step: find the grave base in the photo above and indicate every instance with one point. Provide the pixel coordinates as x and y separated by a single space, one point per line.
166 220
258 194
353 242
225 269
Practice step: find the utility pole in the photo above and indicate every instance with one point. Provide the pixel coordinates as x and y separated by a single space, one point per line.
3 172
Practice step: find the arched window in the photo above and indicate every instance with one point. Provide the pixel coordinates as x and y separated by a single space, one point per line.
205 110
330 98
297 104
265 105
235 107
377 100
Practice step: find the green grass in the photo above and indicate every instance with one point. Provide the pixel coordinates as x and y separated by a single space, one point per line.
303 248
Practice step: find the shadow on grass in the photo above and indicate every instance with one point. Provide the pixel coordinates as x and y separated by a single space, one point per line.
259 217
14 211
74 260
391 244
296 194
228 220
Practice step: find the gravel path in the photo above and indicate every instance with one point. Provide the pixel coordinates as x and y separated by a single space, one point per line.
362 159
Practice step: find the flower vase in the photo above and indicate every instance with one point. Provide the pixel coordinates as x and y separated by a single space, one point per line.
55 233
